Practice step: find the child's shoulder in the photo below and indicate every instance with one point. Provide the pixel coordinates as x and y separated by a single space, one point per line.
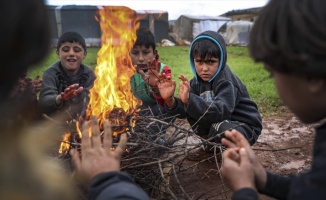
163 65
89 72
165 68
86 67
53 68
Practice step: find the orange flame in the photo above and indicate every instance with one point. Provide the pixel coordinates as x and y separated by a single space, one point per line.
65 145
111 97
112 88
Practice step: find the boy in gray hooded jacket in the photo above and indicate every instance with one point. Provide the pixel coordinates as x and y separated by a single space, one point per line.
214 100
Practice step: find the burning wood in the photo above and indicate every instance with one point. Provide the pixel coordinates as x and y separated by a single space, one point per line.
161 168
111 97
156 162
120 121
111 93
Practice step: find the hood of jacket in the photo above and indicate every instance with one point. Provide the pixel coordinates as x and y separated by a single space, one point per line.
219 41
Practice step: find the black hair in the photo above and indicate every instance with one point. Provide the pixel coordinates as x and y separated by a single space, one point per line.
289 36
145 37
25 39
71 37
204 47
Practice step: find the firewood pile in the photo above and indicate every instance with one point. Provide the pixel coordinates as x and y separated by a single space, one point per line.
157 160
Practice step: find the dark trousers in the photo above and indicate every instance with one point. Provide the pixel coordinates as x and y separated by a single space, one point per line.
217 131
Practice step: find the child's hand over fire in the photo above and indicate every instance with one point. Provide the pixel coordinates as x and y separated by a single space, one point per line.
150 72
37 83
166 88
234 139
70 92
237 170
184 89
96 157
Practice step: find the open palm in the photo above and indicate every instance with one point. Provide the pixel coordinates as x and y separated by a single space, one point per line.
166 87
184 89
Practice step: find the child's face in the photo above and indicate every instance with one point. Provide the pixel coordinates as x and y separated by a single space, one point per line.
303 95
206 68
141 55
71 56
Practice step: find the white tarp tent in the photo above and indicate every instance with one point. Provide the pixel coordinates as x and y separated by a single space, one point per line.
187 27
237 33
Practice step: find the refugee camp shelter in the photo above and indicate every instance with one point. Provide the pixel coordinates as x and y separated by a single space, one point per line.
157 21
236 33
82 19
249 14
188 27
77 18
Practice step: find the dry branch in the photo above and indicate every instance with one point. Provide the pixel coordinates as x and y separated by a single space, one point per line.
157 160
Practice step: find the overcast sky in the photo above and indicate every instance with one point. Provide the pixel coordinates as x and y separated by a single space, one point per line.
175 8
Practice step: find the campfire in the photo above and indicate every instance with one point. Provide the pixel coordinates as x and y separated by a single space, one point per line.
111 97
160 168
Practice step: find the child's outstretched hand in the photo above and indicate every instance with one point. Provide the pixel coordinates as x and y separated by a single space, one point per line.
71 92
234 139
37 83
68 93
184 89
97 157
237 170
151 73
166 87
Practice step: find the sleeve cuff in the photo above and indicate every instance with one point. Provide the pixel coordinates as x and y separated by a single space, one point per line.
245 194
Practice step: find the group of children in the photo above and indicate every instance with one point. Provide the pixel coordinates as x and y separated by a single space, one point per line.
215 101
217 97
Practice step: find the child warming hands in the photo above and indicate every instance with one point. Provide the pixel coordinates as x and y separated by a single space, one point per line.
215 99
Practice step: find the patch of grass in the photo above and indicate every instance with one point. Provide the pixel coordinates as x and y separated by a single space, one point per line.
259 85
177 58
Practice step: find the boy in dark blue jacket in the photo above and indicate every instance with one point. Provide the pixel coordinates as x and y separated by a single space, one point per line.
215 99
293 50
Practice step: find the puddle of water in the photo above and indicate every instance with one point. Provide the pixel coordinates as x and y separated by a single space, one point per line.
293 165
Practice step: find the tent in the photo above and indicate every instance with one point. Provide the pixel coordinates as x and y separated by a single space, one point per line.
82 19
236 33
187 27
157 21
75 18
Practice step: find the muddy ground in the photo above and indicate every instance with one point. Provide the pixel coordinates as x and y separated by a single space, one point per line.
284 147
164 172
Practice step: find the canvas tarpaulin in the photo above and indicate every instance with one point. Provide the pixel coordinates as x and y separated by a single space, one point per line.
237 33
187 27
